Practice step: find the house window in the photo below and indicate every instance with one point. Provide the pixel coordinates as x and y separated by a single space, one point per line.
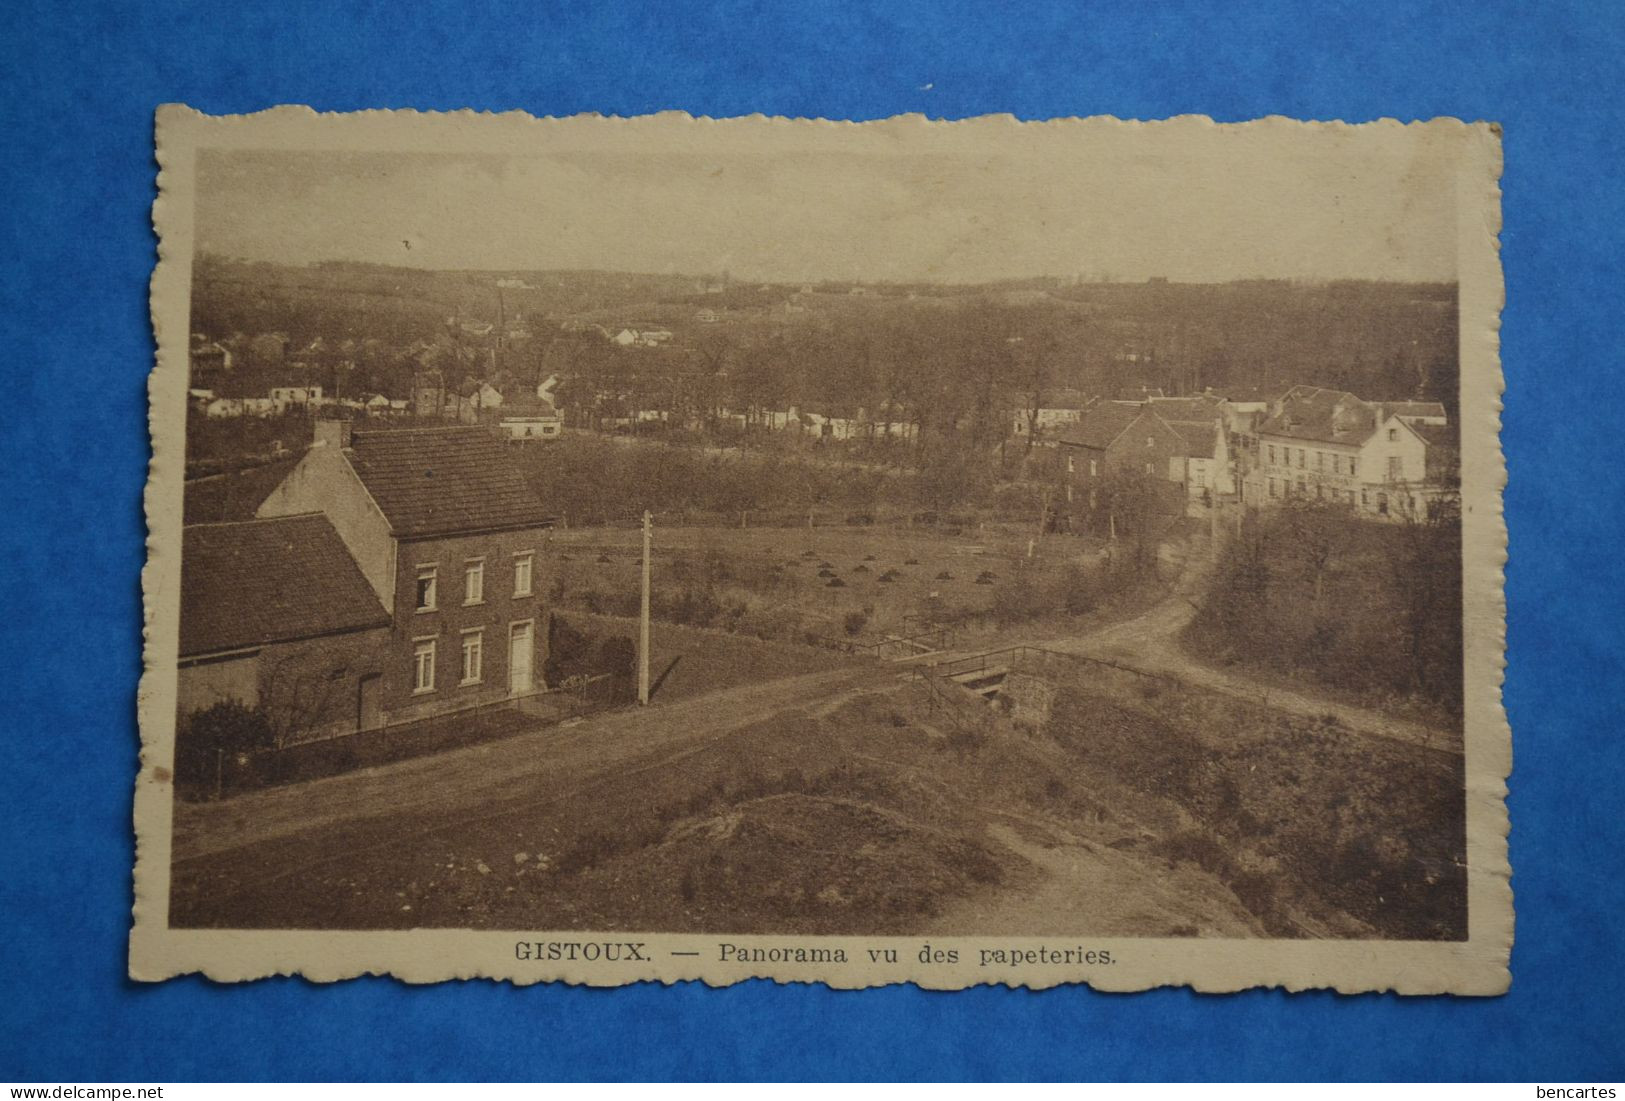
1272 454
1396 468
1094 468
426 588
1071 465
1275 490
474 581
1354 466
1151 441
1151 469
473 655
1069 493
521 572
1393 434
423 666
1300 458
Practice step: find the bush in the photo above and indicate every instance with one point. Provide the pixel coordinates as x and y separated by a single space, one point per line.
219 742
965 741
575 653
1080 592
1019 600
617 656
855 622
694 606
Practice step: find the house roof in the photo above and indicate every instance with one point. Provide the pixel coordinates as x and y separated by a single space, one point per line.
1405 409
255 582
1201 437
1246 395
439 481
1058 398
527 405
1200 408
1326 416
1435 435
522 402
1100 425
235 495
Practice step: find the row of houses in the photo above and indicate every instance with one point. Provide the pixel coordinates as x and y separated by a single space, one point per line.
391 576
1383 459
519 411
523 413
280 399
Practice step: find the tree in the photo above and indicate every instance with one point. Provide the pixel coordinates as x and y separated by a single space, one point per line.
1135 509
300 695
1312 531
1425 572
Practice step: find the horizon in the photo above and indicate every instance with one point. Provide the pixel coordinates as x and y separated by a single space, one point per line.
842 204
1065 280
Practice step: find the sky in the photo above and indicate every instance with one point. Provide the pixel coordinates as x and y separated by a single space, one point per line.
1189 204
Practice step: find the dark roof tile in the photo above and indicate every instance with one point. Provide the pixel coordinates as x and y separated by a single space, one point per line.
255 582
1100 425
1325 416
1201 437
439 481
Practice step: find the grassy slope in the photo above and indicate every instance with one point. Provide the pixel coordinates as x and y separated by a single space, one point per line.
1316 830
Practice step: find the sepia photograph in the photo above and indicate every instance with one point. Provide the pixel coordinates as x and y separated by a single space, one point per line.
950 553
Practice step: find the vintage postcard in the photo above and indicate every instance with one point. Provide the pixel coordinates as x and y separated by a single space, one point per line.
612 550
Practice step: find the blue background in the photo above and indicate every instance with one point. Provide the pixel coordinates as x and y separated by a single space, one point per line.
78 84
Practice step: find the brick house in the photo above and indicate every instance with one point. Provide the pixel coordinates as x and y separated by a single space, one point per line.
1115 439
443 526
275 614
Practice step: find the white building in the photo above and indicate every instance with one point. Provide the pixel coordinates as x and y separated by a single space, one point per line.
285 397
1056 409
535 416
1330 445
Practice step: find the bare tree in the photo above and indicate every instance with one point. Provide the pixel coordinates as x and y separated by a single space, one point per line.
298 698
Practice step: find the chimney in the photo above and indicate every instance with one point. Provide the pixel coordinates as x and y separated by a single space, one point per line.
332 433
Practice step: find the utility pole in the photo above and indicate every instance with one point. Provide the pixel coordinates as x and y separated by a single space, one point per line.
643 622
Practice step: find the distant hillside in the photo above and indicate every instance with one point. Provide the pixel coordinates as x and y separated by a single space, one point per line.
1383 340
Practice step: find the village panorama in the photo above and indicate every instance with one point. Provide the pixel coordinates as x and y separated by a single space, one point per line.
577 599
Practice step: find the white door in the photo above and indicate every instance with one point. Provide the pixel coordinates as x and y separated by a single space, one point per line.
520 657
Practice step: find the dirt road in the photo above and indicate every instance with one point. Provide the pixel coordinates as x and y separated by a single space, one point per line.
1086 885
1150 643
467 782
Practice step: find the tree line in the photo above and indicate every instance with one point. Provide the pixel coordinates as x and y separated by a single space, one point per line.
1371 608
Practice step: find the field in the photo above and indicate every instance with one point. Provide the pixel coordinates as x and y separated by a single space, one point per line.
845 584
691 661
